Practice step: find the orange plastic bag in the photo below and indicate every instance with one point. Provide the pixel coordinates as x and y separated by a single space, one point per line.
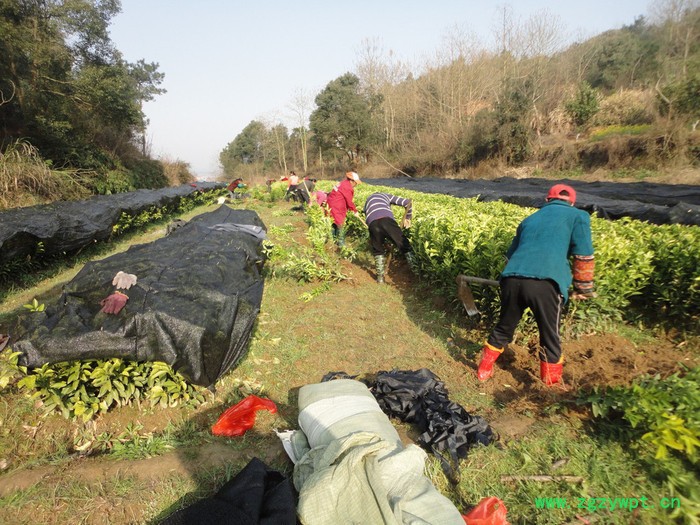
489 511
236 420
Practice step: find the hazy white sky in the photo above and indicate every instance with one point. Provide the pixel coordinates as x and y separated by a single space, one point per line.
227 62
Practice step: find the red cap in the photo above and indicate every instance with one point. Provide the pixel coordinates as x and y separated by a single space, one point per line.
563 192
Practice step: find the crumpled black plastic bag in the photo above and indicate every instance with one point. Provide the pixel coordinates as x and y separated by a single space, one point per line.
419 397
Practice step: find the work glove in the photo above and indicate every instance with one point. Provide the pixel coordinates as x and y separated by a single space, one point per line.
114 303
124 281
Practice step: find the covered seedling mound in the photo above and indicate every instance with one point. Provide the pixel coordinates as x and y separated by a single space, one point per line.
66 226
196 299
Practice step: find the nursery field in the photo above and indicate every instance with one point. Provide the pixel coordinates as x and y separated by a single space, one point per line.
627 428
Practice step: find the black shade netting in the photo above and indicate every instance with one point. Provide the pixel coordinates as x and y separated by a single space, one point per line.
197 297
420 398
67 226
645 201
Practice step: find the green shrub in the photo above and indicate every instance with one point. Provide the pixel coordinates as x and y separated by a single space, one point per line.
147 173
661 419
109 182
583 105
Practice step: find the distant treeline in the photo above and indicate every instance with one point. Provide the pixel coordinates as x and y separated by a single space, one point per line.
628 97
71 118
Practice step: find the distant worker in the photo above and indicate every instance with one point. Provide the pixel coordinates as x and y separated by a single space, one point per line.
538 275
304 190
321 198
236 184
340 200
382 226
292 184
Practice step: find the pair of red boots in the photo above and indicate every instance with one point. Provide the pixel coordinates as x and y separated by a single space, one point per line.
550 373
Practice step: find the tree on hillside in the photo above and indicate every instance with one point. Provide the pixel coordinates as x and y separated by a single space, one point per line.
277 138
623 58
74 97
378 75
343 118
246 148
147 78
301 107
583 105
679 21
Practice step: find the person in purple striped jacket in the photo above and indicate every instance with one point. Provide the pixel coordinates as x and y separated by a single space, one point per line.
382 226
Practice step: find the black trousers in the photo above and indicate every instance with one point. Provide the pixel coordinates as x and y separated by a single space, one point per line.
386 228
545 301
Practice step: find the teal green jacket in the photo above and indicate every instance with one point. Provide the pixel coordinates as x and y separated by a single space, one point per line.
544 242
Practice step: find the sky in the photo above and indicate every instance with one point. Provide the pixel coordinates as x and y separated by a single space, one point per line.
228 62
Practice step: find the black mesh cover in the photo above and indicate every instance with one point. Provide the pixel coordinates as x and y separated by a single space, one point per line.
645 201
198 294
67 226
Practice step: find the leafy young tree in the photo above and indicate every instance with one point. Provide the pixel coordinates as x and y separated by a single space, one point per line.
146 78
343 118
584 104
512 114
246 148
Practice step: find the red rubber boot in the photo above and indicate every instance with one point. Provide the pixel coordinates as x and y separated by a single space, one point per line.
551 373
491 353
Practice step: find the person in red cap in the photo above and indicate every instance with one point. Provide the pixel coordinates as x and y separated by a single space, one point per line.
538 276
339 201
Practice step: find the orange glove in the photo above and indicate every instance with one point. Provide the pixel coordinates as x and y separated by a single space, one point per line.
114 303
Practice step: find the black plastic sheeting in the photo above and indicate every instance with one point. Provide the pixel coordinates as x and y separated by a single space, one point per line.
645 201
258 495
197 297
419 397
67 226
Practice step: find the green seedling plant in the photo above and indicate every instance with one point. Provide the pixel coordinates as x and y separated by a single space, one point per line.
661 418
35 306
10 371
288 258
86 389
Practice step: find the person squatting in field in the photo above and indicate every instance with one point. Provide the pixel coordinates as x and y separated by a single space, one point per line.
382 226
292 183
236 184
304 190
538 275
339 201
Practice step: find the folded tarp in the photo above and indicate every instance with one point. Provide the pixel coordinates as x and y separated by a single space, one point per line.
352 475
197 297
257 495
67 226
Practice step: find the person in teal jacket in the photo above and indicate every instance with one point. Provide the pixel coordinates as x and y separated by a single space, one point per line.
538 276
